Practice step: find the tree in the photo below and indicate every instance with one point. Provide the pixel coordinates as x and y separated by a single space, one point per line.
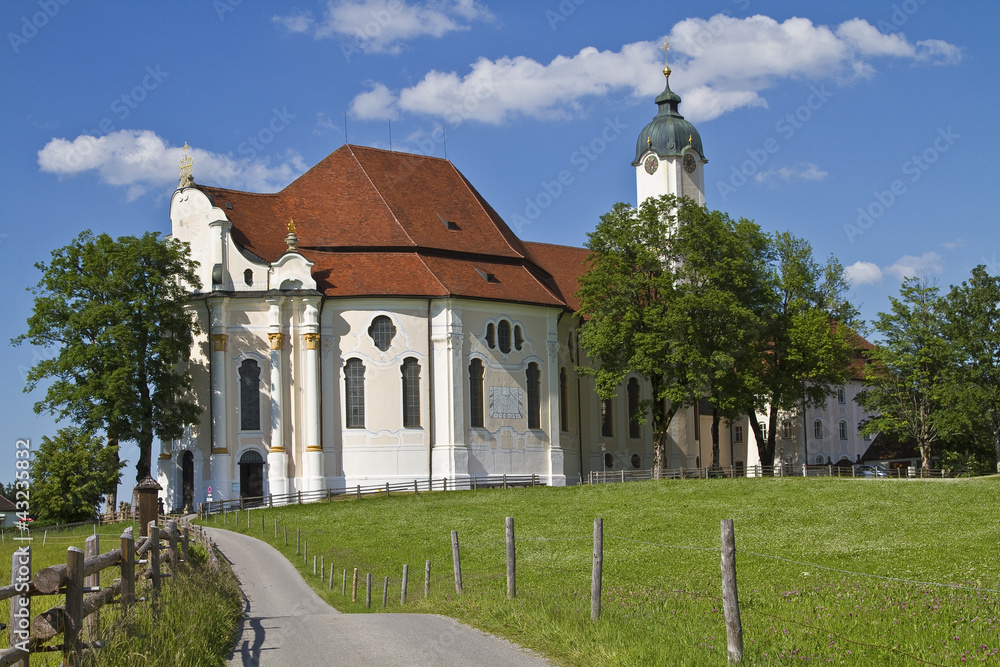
972 325
69 475
806 345
906 375
623 297
673 294
114 310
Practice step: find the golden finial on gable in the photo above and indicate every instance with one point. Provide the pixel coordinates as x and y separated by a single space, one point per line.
187 169
291 239
291 226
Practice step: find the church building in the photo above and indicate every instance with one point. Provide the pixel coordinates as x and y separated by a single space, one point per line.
377 321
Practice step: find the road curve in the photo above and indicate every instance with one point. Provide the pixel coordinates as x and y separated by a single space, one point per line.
286 623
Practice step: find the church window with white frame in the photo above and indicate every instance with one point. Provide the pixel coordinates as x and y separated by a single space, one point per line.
382 332
503 336
249 395
477 403
818 429
354 396
411 393
843 429
534 381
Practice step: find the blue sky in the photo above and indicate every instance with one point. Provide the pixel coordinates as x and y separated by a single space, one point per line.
867 128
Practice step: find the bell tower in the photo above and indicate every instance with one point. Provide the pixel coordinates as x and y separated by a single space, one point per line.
669 158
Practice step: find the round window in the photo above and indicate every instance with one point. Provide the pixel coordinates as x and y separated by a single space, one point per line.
609 460
636 460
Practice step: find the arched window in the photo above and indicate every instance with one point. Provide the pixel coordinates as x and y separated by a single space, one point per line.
249 395
411 393
491 336
843 430
476 394
503 336
533 378
841 395
518 338
634 430
354 386
786 429
569 345
607 421
818 429
382 332
563 401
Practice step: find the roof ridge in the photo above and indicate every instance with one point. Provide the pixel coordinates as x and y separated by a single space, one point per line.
480 200
380 195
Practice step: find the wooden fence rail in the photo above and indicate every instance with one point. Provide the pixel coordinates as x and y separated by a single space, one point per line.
84 601
612 476
357 491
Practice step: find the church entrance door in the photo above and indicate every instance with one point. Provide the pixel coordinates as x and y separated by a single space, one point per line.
251 475
187 481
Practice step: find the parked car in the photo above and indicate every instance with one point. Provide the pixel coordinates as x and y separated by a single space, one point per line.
870 471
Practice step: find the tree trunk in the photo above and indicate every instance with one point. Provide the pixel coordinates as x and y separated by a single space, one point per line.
715 437
142 468
763 451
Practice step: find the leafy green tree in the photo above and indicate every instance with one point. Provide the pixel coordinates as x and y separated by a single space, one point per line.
9 492
717 318
806 345
114 310
907 388
624 297
972 315
673 294
69 475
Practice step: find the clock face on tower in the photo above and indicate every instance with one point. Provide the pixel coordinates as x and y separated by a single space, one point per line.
651 163
689 164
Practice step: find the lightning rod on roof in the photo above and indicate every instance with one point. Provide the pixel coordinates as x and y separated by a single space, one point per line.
345 129
390 136
444 134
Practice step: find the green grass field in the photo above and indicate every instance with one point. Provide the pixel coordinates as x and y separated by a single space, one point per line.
197 615
804 547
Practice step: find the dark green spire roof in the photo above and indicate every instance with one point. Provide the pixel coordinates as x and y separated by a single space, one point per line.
668 133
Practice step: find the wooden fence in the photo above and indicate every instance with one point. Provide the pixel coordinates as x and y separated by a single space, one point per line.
79 578
610 476
358 491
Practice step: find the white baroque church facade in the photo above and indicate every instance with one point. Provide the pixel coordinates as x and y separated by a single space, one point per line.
377 321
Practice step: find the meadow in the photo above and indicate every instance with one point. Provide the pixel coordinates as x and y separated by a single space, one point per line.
839 571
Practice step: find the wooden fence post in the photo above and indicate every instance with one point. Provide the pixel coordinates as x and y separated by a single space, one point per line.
511 560
330 583
457 561
596 572
298 541
184 544
359 492
20 605
385 590
322 566
74 606
343 591
172 544
427 579
368 590
402 587
284 532
127 571
314 566
92 547
415 491
354 586
305 553
387 489
275 529
154 555
730 599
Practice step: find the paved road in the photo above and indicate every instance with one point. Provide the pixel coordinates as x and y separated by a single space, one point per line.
287 623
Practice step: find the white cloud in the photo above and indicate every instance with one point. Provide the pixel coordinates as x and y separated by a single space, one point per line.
804 171
376 26
376 104
139 160
863 273
719 64
954 245
909 266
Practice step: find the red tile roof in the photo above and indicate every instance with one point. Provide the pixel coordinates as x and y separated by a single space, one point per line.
379 223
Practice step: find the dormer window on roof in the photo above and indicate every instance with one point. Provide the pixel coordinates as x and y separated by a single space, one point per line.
452 226
488 277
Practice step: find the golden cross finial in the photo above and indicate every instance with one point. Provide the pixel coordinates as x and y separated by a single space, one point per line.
187 168
666 57
690 138
291 226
